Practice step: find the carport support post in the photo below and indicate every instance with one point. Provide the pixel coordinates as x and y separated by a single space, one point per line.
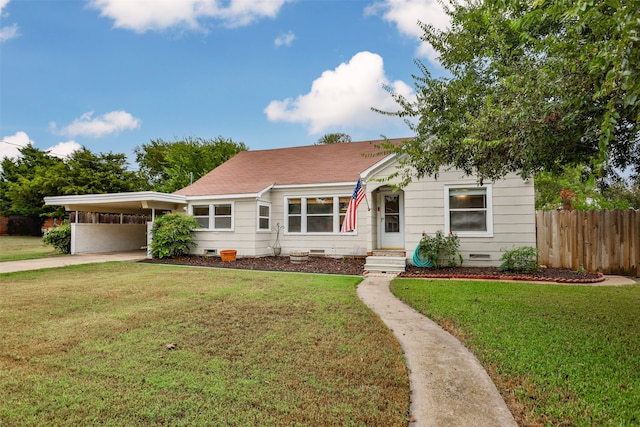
149 228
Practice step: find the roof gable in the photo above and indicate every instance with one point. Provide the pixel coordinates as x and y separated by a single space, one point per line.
250 172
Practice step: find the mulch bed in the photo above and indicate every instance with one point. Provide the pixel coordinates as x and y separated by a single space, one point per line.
355 266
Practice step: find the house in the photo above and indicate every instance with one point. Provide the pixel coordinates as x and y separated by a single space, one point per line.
305 192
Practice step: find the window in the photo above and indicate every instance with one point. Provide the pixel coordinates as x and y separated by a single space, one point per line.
468 210
316 214
214 216
320 215
201 213
222 217
264 216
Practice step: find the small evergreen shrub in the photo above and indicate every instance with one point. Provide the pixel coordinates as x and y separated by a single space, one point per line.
59 238
522 259
172 235
441 250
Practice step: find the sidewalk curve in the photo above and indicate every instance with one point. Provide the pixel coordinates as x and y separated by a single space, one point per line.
449 387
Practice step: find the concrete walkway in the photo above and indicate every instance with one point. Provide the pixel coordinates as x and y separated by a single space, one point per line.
449 387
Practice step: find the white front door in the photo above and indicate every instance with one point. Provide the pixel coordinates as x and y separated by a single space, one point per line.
391 220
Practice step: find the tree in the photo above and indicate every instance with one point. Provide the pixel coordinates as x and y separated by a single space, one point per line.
576 188
334 138
533 86
26 180
34 174
89 173
170 166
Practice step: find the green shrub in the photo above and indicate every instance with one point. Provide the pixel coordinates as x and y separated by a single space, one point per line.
522 259
172 235
441 250
59 238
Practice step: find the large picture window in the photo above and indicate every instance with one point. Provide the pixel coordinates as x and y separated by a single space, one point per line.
214 216
316 214
468 210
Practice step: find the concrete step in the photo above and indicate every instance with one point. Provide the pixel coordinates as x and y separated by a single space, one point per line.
389 252
385 264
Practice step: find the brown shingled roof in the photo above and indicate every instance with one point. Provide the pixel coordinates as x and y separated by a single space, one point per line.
250 172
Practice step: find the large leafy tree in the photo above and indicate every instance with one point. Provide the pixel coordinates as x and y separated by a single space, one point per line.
576 188
90 173
170 166
26 180
531 86
35 174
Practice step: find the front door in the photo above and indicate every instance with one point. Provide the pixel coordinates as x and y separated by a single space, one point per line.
391 220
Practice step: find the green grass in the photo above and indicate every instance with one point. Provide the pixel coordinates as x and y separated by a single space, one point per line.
13 248
560 355
87 345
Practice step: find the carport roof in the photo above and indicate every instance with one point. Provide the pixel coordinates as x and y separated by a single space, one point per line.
142 202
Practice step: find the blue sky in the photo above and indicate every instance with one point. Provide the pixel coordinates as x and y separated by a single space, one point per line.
111 75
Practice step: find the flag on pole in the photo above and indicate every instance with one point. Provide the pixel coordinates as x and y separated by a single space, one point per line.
349 223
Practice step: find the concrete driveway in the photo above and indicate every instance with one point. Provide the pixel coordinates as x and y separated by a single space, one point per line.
64 260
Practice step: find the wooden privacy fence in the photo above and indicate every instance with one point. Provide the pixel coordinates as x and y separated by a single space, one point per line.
604 241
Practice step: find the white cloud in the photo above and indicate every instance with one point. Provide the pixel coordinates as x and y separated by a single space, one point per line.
343 98
11 145
284 39
405 14
63 149
141 16
10 31
96 127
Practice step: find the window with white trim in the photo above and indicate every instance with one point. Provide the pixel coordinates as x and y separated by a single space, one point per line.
215 216
316 214
201 213
264 216
468 210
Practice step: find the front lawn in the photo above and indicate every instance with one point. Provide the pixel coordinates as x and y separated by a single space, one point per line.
138 344
13 248
560 355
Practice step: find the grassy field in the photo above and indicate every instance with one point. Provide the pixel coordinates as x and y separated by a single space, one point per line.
13 248
560 355
138 344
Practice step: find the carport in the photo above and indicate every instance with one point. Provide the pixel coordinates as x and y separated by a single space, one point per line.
95 237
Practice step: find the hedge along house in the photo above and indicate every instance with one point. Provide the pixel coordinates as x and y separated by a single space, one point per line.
305 192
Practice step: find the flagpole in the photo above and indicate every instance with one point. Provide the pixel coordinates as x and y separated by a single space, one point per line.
364 184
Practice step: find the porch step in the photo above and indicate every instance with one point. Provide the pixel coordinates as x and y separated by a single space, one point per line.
385 264
389 252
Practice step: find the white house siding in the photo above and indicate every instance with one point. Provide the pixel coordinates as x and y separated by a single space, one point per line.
424 203
97 238
334 244
213 241
513 216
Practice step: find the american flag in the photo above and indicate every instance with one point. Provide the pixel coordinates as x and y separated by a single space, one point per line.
349 223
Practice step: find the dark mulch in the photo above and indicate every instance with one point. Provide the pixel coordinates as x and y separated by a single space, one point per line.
355 266
558 275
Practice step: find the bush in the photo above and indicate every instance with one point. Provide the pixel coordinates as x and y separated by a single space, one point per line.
441 250
59 238
522 259
172 235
